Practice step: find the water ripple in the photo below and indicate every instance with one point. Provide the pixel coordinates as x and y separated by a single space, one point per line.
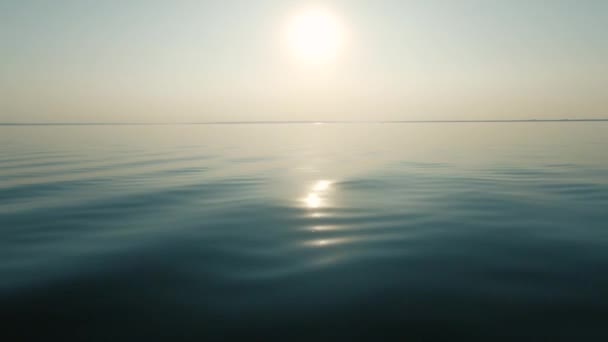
297 235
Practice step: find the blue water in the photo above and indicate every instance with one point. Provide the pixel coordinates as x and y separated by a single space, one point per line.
417 232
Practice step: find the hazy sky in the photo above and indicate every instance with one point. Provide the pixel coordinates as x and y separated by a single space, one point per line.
176 61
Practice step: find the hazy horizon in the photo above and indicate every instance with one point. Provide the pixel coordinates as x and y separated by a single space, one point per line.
199 61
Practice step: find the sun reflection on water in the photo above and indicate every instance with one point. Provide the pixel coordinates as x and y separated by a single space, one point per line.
317 197
322 185
313 201
328 242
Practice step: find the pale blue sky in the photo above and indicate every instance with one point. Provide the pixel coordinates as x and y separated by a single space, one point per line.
176 61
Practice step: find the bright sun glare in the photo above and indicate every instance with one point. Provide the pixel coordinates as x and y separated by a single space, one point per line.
314 35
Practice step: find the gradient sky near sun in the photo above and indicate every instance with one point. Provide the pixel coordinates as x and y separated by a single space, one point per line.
224 60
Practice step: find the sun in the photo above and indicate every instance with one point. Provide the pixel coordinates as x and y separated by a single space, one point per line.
314 35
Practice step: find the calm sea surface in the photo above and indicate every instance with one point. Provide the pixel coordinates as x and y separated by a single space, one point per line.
413 232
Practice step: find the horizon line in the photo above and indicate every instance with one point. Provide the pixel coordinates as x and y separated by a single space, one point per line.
278 122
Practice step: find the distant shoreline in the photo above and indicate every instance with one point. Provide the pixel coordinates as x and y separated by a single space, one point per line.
290 122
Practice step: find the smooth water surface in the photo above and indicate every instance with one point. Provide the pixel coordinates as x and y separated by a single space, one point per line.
417 232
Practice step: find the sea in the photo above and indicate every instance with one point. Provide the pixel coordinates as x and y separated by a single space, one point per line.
472 231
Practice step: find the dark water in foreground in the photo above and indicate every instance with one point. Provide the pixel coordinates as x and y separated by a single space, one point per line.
416 232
